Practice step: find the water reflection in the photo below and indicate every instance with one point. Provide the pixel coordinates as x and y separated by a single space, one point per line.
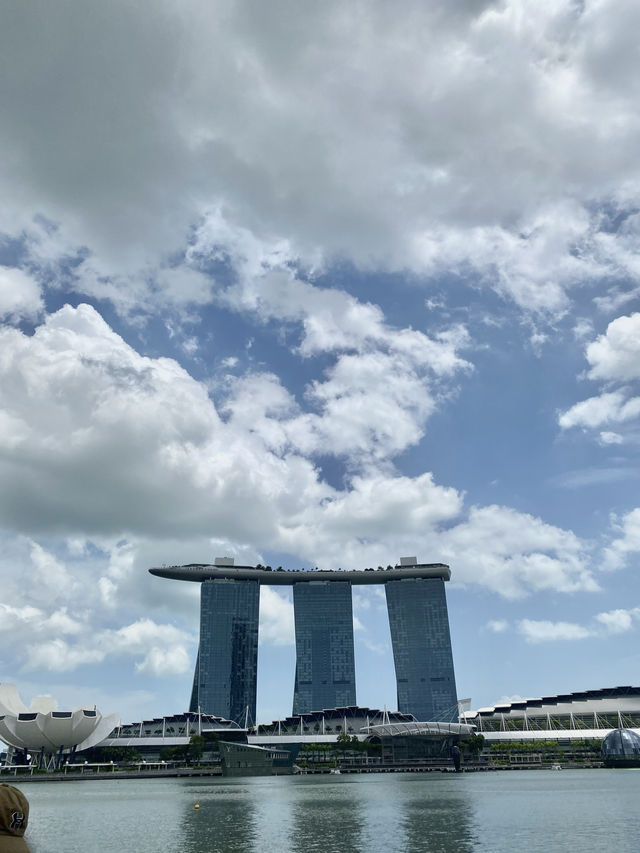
224 822
348 814
438 823
418 814
327 818
395 813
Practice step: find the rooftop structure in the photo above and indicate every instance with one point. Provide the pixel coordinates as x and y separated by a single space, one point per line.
402 737
199 572
327 724
584 715
225 675
172 730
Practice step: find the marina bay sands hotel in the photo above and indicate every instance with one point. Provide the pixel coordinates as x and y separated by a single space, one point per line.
225 678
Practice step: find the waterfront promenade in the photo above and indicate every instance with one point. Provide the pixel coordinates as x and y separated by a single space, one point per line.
114 772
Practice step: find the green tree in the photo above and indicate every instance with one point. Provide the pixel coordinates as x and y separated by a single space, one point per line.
472 745
196 747
174 753
344 741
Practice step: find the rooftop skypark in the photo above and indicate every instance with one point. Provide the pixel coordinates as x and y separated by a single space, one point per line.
225 568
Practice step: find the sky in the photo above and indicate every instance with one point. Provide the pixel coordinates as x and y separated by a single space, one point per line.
318 285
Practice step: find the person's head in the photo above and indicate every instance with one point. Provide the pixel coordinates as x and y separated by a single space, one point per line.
14 816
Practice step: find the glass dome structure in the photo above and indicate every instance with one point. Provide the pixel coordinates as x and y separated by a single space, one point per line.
621 747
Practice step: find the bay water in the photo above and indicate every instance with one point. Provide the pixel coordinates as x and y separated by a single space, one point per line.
532 811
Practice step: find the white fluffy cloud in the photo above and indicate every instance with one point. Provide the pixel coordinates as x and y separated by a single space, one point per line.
612 622
61 638
103 442
160 649
109 422
514 553
57 655
498 626
330 131
619 621
20 295
614 357
544 631
34 619
608 407
626 543
608 438
276 618
374 404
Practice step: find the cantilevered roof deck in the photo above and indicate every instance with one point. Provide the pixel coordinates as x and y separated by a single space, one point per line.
199 572
602 701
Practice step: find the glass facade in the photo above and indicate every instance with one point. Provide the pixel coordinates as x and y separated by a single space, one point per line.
621 744
226 670
421 642
325 668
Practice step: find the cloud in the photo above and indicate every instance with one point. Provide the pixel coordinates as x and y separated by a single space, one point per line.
494 547
604 625
613 357
616 554
399 373
357 624
370 509
20 296
58 655
162 649
515 553
162 661
608 438
594 476
131 447
12 619
609 407
544 631
616 354
498 626
335 133
276 618
619 621
507 700
86 418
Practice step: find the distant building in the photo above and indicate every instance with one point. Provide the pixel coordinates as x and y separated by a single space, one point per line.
421 643
226 670
226 673
402 739
325 667
587 715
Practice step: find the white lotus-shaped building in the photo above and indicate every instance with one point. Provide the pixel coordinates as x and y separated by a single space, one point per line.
42 728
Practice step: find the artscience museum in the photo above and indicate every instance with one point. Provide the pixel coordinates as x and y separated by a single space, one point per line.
46 732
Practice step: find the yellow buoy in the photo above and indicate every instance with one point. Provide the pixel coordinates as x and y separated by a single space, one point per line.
197 806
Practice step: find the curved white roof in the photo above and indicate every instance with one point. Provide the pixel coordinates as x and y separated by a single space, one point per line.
44 727
10 702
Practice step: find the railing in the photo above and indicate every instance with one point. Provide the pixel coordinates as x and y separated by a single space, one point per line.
8 768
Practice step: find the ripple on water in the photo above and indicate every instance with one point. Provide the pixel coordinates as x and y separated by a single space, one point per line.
378 813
